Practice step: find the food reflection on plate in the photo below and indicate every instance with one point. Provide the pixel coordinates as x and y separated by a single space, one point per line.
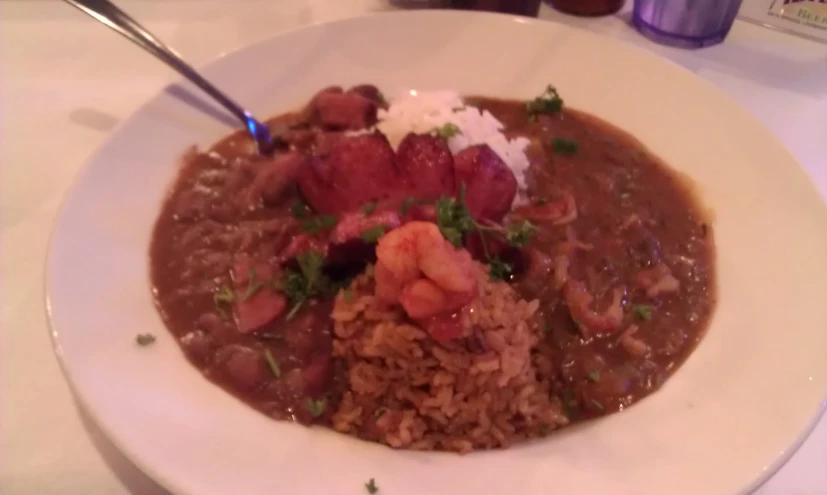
434 272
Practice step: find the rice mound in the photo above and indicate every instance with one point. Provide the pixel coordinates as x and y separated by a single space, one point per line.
409 391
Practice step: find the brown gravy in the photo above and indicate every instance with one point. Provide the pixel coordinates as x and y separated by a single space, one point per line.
637 230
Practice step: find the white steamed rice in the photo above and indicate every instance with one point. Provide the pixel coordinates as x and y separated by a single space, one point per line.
422 112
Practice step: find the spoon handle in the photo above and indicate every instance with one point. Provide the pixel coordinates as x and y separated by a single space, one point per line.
109 14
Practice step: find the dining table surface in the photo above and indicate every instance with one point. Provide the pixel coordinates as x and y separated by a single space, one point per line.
66 83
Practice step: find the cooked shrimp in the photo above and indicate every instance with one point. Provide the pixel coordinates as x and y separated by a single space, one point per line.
657 280
417 268
591 323
388 286
422 298
560 212
632 344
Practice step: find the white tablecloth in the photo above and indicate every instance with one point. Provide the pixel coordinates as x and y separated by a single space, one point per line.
66 82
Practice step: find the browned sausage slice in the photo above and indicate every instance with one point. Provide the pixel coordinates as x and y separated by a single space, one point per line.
490 186
357 170
428 164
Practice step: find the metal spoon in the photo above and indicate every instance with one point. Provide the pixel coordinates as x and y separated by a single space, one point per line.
110 15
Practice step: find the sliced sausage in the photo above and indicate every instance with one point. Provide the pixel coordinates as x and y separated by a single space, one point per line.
343 110
490 186
428 164
244 367
257 303
370 92
358 170
317 374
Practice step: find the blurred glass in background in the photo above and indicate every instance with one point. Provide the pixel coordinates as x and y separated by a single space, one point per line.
587 7
685 23
518 7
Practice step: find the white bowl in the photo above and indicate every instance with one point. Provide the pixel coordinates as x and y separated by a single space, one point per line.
728 418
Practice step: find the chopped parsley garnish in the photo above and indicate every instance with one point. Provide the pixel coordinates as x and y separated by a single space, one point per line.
221 297
571 408
316 407
594 376
455 221
406 205
453 218
317 224
643 312
381 411
144 339
518 235
299 209
274 365
223 294
308 282
447 130
349 295
547 103
372 235
500 270
371 487
370 207
563 146
253 285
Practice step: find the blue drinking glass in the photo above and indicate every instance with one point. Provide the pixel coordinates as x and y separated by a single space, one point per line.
685 23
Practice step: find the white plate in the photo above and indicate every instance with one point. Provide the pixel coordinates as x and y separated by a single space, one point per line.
730 416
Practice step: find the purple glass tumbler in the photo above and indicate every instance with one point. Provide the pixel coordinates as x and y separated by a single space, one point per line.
685 23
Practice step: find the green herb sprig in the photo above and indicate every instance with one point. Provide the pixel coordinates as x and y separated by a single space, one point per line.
370 207
520 234
319 223
349 295
455 221
371 487
547 103
144 339
299 210
372 235
316 407
406 205
565 147
271 361
642 312
309 281
222 297
253 285
447 130
499 270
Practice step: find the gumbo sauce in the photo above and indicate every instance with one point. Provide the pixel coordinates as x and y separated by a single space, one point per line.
622 263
